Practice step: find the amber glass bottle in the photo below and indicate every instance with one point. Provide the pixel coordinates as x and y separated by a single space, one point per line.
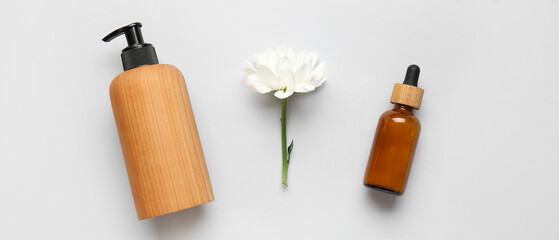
396 138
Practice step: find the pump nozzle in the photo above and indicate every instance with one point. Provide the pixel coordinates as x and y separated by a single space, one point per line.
137 53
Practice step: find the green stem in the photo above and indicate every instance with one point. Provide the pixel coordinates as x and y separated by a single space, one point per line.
285 164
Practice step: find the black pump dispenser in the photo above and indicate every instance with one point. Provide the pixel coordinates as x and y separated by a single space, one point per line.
412 75
137 53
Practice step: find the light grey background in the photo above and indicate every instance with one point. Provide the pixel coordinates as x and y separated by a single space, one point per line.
486 166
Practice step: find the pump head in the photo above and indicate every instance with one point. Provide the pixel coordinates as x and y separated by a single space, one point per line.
137 53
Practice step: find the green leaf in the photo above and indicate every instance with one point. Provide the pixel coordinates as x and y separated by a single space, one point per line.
289 149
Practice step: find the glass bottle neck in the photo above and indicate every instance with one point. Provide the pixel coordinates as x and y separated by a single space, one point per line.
402 107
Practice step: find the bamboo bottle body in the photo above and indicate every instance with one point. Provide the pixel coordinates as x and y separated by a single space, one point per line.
393 149
159 139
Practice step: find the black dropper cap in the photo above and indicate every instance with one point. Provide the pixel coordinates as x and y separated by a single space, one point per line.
137 53
412 75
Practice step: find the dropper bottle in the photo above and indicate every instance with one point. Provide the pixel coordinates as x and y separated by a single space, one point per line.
396 138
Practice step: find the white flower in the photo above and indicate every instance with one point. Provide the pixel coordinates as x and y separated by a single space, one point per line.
285 72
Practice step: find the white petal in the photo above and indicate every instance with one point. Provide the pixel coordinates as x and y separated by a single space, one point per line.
260 59
254 83
304 87
303 74
321 81
313 57
271 59
285 71
297 60
287 80
319 68
283 51
283 94
267 77
289 53
318 76
249 63
282 66
250 69
315 79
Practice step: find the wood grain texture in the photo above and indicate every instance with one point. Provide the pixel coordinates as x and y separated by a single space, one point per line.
407 95
159 139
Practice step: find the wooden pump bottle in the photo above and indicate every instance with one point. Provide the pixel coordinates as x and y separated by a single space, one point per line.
157 131
396 138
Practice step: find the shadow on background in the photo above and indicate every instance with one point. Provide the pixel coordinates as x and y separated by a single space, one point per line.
382 200
179 223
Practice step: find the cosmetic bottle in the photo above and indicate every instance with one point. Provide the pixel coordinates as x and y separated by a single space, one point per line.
157 131
396 138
